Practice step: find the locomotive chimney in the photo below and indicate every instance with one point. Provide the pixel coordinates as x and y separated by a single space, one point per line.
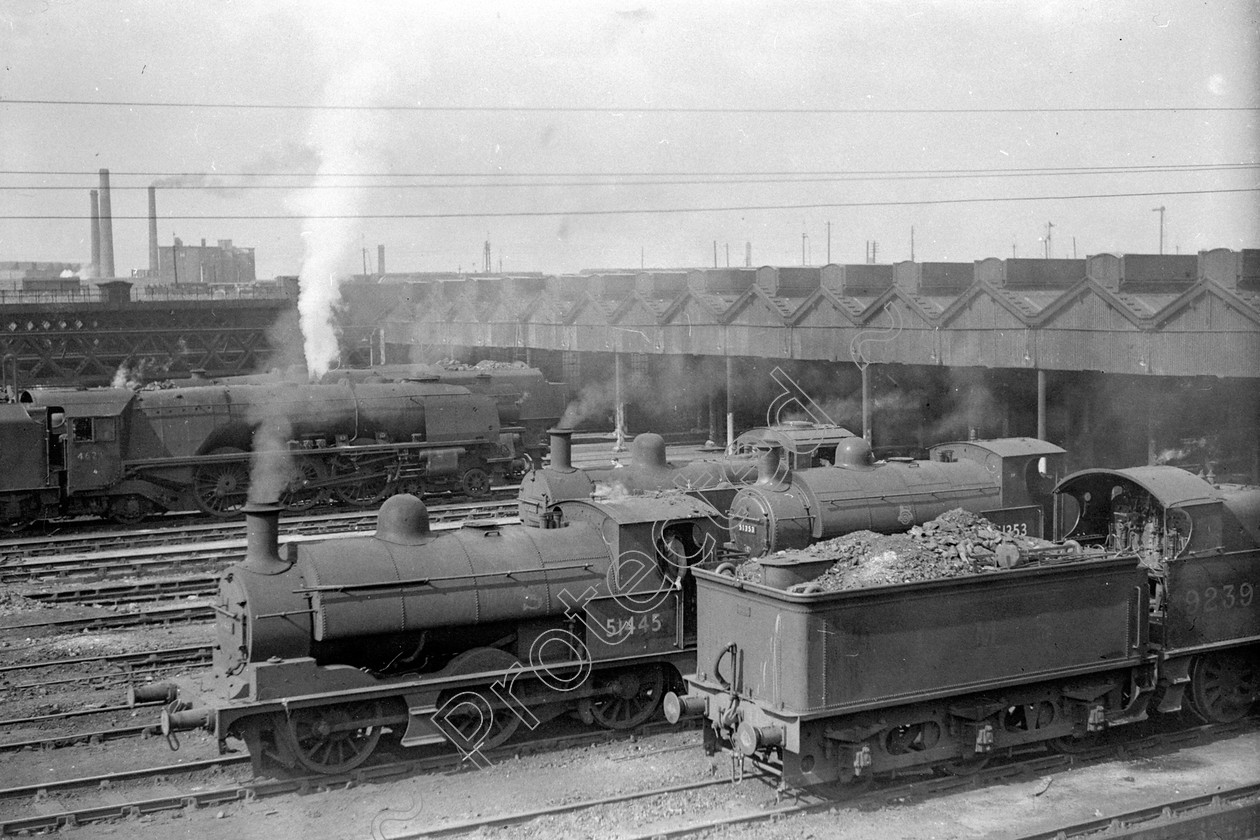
95 270
561 449
105 268
262 533
770 468
153 242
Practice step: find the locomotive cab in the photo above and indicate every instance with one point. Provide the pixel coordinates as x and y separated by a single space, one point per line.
1196 540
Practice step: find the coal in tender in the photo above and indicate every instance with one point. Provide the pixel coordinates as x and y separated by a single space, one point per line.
955 544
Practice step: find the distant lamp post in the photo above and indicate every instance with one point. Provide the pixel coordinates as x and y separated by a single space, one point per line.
1160 211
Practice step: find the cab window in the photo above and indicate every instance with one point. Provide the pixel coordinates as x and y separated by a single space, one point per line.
81 429
93 429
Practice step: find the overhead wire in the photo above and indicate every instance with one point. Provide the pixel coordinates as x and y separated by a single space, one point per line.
648 210
615 109
806 173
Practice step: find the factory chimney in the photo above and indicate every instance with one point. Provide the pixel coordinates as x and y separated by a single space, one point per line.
153 243
95 269
380 260
105 268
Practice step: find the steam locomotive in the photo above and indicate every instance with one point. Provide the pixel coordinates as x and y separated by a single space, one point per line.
458 637
1009 481
835 687
804 444
124 454
463 637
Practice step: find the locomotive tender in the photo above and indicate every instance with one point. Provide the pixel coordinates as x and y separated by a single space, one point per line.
832 687
123 454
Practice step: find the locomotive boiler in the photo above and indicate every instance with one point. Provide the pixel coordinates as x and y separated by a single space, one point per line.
123 453
322 646
716 479
1008 480
1148 607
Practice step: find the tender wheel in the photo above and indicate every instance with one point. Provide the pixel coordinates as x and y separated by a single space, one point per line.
297 495
332 739
221 489
632 698
1223 685
475 482
366 483
469 720
130 509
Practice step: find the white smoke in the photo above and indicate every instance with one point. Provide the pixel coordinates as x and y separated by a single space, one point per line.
331 231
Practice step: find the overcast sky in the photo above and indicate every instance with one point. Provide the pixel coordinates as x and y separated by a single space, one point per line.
675 93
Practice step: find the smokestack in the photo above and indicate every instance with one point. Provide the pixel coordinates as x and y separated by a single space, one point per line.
561 448
96 234
106 265
153 244
380 259
262 539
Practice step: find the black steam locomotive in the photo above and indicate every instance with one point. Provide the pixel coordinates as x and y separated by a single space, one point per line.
836 686
715 479
123 454
463 636
1006 480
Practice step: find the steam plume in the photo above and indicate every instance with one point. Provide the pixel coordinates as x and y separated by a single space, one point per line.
331 229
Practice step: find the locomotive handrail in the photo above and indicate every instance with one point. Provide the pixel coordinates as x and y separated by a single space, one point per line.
342 587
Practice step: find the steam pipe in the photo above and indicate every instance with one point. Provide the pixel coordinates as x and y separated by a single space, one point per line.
262 534
561 449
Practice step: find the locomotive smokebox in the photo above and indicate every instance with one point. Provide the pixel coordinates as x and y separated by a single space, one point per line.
262 532
561 448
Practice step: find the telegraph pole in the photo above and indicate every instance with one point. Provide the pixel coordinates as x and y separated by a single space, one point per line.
1049 234
1160 211
828 243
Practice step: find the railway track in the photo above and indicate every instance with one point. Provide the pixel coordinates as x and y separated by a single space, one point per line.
159 616
862 796
250 790
183 533
130 562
